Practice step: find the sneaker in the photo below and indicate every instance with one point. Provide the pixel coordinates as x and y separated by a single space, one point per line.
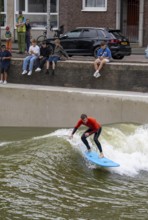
5 82
95 73
98 75
29 73
1 81
24 72
38 69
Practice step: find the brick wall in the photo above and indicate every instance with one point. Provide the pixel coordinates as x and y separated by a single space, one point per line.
72 16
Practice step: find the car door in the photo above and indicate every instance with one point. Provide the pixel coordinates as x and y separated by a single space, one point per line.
69 41
86 41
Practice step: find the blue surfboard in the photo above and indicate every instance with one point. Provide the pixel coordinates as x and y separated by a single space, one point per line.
94 158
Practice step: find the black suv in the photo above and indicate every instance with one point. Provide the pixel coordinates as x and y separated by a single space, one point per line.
86 41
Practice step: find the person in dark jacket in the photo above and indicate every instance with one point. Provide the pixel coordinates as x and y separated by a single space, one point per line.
45 52
5 57
28 34
57 55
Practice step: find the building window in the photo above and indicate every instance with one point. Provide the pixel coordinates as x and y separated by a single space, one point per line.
3 13
36 11
54 8
94 5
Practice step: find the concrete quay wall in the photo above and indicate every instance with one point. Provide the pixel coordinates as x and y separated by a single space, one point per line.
50 106
118 76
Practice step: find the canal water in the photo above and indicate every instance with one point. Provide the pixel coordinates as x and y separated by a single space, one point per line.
44 175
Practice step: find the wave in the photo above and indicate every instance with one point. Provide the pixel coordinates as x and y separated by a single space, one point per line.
129 149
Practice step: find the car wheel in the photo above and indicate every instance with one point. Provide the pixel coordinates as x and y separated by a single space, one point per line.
95 51
118 57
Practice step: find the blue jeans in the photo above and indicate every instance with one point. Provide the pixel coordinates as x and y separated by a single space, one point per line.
53 58
29 60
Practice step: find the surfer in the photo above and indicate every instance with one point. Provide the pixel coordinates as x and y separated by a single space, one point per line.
93 128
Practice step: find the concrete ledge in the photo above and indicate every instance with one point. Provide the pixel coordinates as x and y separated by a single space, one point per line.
46 106
79 74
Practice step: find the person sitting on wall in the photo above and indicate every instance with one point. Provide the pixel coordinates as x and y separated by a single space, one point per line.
5 58
45 52
57 55
34 53
103 57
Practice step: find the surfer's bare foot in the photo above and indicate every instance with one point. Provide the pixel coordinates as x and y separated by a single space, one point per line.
101 155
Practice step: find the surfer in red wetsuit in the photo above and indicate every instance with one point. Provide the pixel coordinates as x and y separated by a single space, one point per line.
93 128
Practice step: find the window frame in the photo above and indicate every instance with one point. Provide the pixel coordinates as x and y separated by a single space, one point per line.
91 9
38 13
4 13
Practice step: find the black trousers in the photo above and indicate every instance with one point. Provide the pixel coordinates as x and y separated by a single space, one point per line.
40 62
96 136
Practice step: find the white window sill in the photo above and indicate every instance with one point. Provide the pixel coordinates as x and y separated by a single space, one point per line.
94 9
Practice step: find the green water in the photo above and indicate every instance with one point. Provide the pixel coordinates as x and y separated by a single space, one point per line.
45 176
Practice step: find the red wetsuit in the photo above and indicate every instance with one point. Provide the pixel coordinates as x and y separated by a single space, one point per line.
93 127
91 123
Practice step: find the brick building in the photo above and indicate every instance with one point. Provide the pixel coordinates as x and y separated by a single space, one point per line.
130 16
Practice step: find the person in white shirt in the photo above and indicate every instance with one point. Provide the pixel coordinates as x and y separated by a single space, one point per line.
34 53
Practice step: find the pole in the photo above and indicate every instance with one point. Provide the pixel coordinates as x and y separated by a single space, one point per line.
48 18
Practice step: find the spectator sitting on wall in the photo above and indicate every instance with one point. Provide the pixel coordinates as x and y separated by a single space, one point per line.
45 52
34 53
8 37
104 56
28 34
57 55
21 32
5 57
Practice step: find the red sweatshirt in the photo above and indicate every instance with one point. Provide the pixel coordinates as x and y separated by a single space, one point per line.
91 123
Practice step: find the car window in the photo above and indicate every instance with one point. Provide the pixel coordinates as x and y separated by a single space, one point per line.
117 34
101 34
110 35
74 33
89 33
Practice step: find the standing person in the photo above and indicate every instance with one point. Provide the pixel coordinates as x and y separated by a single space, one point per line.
57 54
34 53
104 56
8 37
21 32
28 34
94 127
45 52
5 57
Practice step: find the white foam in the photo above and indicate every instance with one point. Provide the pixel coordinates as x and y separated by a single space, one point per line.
4 143
129 150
